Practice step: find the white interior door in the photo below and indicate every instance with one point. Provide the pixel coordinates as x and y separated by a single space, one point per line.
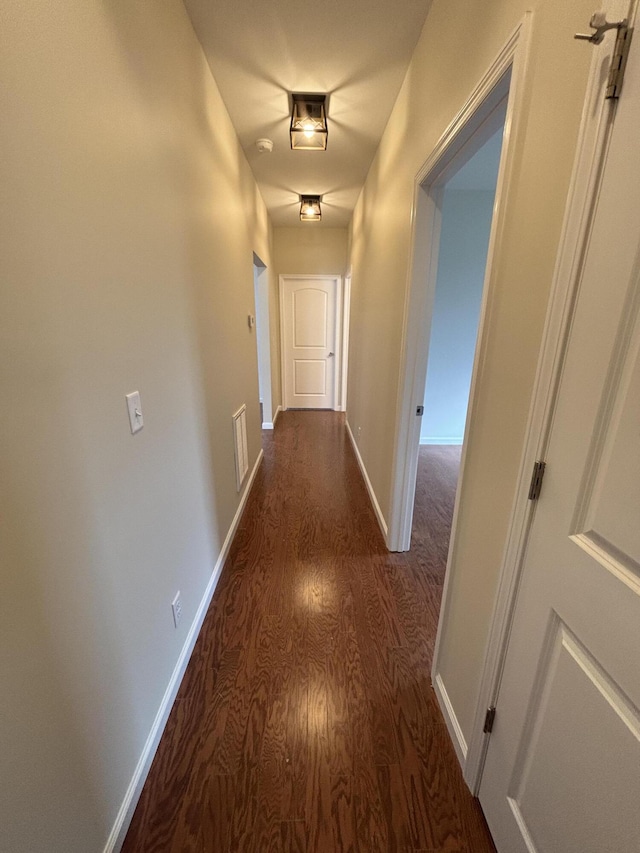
562 773
310 341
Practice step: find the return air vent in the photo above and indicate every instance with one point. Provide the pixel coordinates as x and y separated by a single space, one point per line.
240 443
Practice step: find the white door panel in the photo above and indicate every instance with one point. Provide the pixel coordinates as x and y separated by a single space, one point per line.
309 378
310 318
614 485
562 773
579 723
310 341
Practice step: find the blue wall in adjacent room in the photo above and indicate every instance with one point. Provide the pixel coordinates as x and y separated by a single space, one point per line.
466 223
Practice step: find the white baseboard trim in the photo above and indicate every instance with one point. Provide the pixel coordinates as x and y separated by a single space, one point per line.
125 813
271 424
434 440
372 495
453 726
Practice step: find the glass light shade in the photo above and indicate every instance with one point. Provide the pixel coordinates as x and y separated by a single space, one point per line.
310 210
309 123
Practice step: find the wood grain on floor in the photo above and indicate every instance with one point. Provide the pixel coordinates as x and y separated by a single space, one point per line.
306 721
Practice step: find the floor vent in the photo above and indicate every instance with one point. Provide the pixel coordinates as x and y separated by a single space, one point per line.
240 441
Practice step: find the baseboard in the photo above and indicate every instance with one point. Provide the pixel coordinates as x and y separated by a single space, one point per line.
271 424
453 726
372 495
432 440
123 819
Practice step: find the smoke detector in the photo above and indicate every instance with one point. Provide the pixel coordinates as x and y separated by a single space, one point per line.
264 146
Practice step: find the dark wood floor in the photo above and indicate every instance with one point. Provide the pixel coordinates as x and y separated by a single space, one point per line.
438 468
306 721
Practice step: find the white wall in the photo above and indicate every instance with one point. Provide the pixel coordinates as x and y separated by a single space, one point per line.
460 40
129 217
310 250
464 240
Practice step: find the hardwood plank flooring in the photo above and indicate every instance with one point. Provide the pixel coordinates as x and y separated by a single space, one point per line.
306 721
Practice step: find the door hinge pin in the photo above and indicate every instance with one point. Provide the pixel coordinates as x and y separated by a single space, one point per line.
488 720
536 480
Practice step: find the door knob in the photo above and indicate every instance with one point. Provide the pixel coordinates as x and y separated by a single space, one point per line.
330 354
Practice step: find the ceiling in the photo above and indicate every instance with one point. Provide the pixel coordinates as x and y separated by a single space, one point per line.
356 51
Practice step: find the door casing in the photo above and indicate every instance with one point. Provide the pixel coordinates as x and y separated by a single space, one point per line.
341 336
504 79
263 338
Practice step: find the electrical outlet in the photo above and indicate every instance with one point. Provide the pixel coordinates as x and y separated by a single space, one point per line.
176 609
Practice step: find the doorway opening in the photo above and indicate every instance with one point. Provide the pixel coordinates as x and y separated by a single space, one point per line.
457 207
263 340
495 108
466 200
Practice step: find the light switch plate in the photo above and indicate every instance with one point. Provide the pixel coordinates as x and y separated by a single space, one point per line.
176 609
134 408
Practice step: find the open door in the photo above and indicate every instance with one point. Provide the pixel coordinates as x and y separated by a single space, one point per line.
562 771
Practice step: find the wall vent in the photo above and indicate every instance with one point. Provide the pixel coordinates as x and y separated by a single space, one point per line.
240 443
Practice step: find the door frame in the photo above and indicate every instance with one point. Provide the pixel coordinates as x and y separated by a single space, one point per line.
505 78
344 355
452 147
263 338
591 152
339 379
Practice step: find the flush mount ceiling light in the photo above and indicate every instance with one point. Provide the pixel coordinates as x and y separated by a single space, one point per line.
310 208
309 123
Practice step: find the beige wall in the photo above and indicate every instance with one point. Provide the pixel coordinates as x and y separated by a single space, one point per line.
309 250
128 217
459 42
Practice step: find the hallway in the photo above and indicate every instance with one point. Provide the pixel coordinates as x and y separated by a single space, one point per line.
306 720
